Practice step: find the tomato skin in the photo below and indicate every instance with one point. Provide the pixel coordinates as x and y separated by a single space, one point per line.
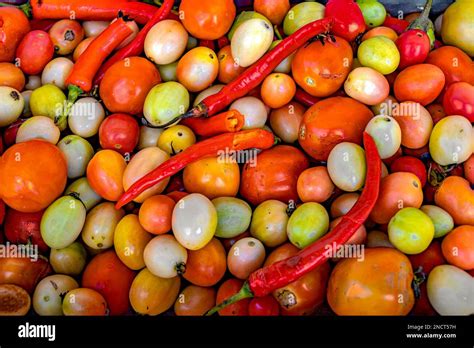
23 227
444 57
428 259
195 301
459 100
274 176
155 214
106 274
469 169
414 47
34 52
119 132
456 197
11 76
84 302
264 306
458 247
411 165
14 26
2 214
228 68
227 289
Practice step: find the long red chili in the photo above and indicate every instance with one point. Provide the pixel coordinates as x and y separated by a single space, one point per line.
229 121
399 25
305 98
135 48
254 75
267 279
215 146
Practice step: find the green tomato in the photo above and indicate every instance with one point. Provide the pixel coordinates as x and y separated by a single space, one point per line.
386 133
70 260
347 167
48 100
233 216
164 102
379 53
78 152
373 11
442 221
83 190
62 222
245 16
308 223
168 71
302 14
269 222
411 231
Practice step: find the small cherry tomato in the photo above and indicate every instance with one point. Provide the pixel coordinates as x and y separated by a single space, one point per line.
411 165
84 302
198 69
66 34
155 214
11 76
315 185
286 120
228 68
24 228
277 90
458 247
414 47
195 301
119 132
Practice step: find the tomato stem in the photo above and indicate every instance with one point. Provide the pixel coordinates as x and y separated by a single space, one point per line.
73 94
243 293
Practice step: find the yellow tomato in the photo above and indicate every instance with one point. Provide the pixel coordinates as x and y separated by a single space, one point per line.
176 139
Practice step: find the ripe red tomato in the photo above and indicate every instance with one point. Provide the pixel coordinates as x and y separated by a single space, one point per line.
111 278
9 133
227 289
23 228
264 306
13 27
414 47
459 100
412 165
119 132
455 63
34 52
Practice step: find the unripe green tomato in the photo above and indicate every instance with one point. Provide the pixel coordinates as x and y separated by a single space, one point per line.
245 16
442 221
346 166
48 100
386 133
269 222
379 53
233 216
308 223
38 127
78 152
373 11
70 260
83 190
301 14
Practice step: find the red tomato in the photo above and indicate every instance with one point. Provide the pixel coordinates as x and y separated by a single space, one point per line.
264 306
111 278
455 64
9 133
411 165
274 175
23 228
13 27
469 169
227 289
414 47
34 52
459 100
428 259
458 247
119 132
2 211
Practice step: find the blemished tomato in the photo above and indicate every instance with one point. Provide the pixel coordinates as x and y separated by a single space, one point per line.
106 274
83 301
228 68
459 100
325 125
14 26
455 64
198 69
274 175
457 198
195 301
264 306
48 295
410 164
24 227
33 174
245 256
11 76
315 185
420 83
212 177
277 90
119 132
206 266
34 51
207 19
155 214
126 84
321 69
458 247
66 34
397 191
274 10
355 288
104 173
227 289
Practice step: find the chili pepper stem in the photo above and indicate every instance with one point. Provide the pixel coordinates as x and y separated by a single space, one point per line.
199 110
243 293
73 93
277 32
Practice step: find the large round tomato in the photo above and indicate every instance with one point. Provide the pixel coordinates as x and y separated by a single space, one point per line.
111 278
321 68
32 175
273 175
13 26
378 285
330 122
457 198
126 84
456 65
207 19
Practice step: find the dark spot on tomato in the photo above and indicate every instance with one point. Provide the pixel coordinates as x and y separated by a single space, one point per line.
251 243
15 95
415 184
211 55
69 35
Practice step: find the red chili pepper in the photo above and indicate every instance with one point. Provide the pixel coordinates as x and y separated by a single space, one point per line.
397 24
135 48
265 280
305 98
229 142
349 22
230 121
222 42
254 75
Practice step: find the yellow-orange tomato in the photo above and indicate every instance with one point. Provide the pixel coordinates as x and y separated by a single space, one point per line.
195 301
212 177
11 76
455 63
32 175
381 31
458 247
207 19
277 90
206 266
155 214
457 198
228 68
397 191
105 174
342 204
378 285
421 83
84 302
198 69
274 10
81 48
415 123
286 121
314 185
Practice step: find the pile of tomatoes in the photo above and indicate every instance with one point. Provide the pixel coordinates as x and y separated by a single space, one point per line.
190 241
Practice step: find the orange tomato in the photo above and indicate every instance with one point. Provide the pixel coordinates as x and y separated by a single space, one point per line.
155 214
105 172
286 121
397 191
84 302
378 285
207 19
315 185
415 123
126 84
421 83
32 175
198 69
11 76
381 31
277 90
457 198
212 177
228 68
274 10
206 266
458 247
15 25
456 65
332 121
195 301
469 169
322 69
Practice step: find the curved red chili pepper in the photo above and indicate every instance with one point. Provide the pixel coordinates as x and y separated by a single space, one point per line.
399 25
229 121
305 98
